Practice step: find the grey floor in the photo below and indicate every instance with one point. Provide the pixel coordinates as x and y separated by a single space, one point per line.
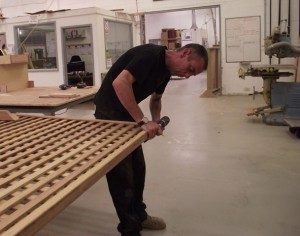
215 172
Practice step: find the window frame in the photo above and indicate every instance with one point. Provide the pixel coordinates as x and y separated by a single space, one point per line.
54 51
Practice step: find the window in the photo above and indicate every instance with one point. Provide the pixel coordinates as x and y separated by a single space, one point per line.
39 40
118 39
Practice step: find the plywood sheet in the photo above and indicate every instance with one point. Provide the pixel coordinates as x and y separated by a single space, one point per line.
33 96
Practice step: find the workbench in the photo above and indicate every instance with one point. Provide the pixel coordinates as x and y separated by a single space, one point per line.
35 100
46 162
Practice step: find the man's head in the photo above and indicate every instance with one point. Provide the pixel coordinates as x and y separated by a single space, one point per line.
191 59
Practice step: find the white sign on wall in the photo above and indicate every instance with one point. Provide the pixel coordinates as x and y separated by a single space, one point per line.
243 39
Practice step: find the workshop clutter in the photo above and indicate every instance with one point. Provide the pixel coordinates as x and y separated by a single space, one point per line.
171 38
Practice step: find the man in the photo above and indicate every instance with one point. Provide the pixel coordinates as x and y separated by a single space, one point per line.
140 72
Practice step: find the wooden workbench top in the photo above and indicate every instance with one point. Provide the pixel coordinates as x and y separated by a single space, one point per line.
31 96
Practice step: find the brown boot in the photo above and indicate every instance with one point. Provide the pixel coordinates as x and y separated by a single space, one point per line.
153 223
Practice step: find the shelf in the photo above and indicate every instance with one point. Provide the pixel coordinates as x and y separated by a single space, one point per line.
78 44
76 37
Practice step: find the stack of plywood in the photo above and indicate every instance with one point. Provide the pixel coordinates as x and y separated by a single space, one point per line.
14 72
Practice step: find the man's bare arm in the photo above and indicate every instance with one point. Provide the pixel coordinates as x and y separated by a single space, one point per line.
155 106
123 88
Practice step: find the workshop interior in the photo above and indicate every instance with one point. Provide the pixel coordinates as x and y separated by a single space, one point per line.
234 129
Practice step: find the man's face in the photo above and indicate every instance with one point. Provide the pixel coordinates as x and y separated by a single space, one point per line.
186 67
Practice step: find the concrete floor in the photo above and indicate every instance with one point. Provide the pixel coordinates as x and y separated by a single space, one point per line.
215 172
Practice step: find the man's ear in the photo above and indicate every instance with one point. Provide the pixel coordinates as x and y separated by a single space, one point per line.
185 52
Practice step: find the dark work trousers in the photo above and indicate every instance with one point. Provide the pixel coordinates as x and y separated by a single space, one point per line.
126 185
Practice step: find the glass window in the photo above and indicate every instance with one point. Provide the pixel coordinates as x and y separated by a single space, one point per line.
118 39
40 42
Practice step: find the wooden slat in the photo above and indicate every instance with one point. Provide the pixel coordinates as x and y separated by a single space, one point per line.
33 155
28 134
6 115
45 167
6 125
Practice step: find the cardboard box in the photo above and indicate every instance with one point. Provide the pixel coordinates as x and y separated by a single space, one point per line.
11 59
5 60
14 72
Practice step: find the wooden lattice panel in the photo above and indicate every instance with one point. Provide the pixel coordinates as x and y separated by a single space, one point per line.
47 162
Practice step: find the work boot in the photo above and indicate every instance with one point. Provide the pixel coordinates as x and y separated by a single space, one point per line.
153 223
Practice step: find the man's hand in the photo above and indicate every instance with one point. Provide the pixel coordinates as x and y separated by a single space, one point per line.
153 129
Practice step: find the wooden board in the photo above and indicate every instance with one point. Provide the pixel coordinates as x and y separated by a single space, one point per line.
32 96
213 73
47 162
58 95
294 123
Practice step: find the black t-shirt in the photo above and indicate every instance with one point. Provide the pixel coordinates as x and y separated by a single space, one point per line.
147 65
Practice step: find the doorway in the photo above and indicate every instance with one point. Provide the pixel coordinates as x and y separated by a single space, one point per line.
196 25
78 55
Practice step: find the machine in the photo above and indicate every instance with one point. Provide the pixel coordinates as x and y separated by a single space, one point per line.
282 98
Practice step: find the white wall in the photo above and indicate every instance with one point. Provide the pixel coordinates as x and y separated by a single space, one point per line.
231 84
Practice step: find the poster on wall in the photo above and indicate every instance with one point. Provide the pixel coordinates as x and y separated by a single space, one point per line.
243 39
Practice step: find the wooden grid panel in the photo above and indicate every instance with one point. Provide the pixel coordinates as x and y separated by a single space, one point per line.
47 162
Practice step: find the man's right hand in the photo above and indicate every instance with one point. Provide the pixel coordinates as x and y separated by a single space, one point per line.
153 129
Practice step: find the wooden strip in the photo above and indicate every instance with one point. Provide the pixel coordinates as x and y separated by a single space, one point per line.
62 183
45 152
58 95
17 129
67 195
25 193
80 119
33 126
62 179
42 171
23 141
33 151
6 126
36 129
79 135
294 123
